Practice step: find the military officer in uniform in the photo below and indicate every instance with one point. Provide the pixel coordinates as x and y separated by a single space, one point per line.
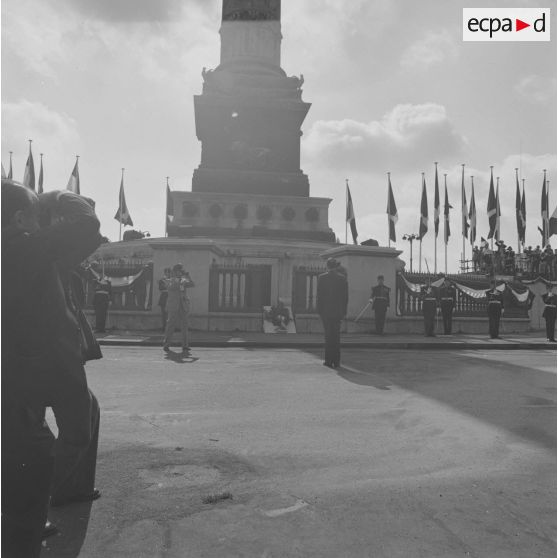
331 302
429 307
494 308
379 297
549 313
447 298
101 301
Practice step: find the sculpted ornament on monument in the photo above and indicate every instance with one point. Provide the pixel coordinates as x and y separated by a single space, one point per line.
251 10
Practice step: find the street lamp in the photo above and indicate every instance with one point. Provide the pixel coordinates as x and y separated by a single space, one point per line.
410 238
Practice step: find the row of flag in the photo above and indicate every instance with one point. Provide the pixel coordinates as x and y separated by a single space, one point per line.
122 214
468 211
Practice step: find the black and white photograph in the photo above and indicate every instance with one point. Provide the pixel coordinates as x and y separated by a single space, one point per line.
278 279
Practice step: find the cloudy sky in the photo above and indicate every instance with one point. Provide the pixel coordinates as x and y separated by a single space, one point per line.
392 86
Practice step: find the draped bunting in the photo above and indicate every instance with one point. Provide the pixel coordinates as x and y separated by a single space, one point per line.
120 282
521 297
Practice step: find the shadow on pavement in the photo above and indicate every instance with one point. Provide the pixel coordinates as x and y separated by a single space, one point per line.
180 358
72 522
511 394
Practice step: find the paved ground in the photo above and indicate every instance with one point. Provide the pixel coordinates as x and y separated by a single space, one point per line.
510 341
411 454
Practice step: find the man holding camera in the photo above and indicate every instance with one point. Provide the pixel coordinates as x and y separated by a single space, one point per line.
178 306
43 239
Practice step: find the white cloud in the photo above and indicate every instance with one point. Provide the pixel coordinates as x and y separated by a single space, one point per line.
537 89
431 49
407 136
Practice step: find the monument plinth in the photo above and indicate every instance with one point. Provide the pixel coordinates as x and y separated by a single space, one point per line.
248 119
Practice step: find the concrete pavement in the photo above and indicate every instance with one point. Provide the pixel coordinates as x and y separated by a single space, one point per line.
216 339
412 454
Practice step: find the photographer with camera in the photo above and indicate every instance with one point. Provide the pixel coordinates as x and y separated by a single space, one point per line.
178 306
46 342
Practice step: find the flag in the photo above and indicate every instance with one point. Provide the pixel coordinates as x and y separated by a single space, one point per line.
464 214
10 172
523 215
552 224
423 228
544 211
391 211
436 204
447 207
73 182
170 203
351 215
491 207
498 212
518 215
473 215
41 176
29 174
123 215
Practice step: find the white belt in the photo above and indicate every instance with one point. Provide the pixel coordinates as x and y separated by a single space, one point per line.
102 292
447 298
429 299
550 305
494 302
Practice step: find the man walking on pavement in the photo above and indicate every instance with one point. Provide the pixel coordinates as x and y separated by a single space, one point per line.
331 302
101 301
379 297
429 308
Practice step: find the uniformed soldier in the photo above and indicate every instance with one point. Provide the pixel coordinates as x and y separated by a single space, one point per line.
429 307
164 295
101 301
494 308
549 313
379 297
447 297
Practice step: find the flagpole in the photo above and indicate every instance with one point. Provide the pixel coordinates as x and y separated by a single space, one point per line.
120 205
166 208
346 206
523 217
11 170
445 224
463 189
389 214
547 213
435 233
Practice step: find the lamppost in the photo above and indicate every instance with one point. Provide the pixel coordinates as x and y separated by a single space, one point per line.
410 238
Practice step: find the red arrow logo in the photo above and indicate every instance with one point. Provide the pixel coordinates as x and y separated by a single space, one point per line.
519 25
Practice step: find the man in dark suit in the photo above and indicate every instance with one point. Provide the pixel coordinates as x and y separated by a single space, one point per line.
447 298
101 301
331 302
549 313
380 303
429 308
43 239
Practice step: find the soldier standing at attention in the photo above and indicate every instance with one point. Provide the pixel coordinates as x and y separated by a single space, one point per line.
331 303
429 307
101 301
379 297
447 304
549 313
494 308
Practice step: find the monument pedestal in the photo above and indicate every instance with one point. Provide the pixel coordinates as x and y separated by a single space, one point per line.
363 265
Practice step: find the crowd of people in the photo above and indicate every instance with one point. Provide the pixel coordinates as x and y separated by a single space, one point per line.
531 262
